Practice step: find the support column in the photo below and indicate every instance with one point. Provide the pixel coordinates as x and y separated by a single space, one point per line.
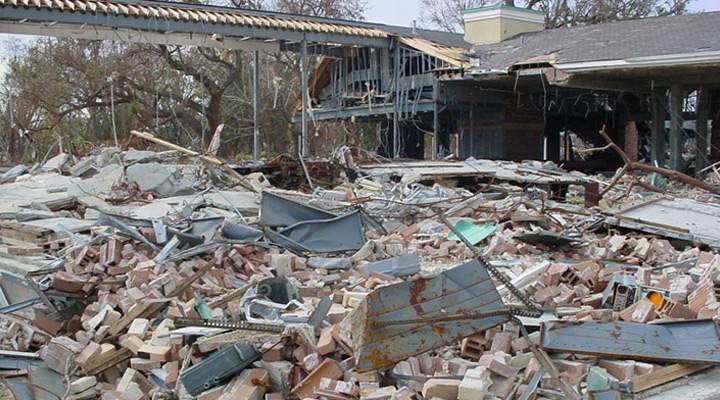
436 122
714 108
303 145
701 138
659 134
256 128
396 103
676 127
631 140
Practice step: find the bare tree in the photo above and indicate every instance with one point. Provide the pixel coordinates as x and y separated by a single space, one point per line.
63 88
446 14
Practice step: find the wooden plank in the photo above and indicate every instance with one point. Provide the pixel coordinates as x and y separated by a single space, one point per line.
105 361
664 375
189 281
236 294
149 308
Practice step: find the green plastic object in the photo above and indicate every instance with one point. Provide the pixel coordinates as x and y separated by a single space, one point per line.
202 308
473 233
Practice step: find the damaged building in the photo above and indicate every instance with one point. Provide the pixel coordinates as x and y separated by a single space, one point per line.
530 93
160 272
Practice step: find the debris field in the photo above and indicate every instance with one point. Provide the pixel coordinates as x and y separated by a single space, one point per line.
167 274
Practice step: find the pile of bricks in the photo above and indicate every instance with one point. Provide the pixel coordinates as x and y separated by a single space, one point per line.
125 341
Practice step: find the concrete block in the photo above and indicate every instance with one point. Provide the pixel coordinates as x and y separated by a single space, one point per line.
475 385
441 388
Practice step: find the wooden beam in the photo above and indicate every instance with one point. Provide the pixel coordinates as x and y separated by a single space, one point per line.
663 375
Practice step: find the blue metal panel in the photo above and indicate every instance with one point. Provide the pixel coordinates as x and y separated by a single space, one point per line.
681 342
464 289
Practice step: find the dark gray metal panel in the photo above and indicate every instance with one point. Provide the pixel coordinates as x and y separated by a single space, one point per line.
463 289
166 25
243 232
682 342
219 367
281 211
337 234
322 236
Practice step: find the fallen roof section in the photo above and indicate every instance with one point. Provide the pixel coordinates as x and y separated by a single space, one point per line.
500 170
677 218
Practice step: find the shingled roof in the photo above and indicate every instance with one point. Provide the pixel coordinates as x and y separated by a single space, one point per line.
648 37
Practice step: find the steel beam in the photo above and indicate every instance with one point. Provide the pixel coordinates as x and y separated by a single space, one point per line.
160 25
379 110
256 128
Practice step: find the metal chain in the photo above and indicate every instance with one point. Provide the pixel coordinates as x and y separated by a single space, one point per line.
228 324
532 311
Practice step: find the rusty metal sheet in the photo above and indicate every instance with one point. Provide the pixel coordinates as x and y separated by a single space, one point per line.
461 290
682 342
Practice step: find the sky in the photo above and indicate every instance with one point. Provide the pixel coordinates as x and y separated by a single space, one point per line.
391 12
403 12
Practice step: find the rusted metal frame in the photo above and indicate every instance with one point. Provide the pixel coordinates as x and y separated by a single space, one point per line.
464 289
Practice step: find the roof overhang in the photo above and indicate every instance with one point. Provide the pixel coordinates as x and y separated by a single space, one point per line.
178 23
685 59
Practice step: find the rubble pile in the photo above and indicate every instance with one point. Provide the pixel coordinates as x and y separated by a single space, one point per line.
152 275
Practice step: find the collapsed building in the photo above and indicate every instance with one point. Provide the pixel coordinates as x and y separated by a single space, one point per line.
166 273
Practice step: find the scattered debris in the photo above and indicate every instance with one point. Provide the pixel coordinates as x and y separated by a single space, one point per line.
140 274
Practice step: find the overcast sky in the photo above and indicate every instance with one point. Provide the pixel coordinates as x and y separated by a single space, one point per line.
403 12
392 12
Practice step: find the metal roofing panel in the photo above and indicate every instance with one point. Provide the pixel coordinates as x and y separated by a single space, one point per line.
674 217
460 290
685 342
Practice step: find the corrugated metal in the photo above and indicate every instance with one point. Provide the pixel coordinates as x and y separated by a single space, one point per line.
683 342
189 14
464 289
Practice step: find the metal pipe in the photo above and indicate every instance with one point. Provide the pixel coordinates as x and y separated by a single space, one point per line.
256 129
302 145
